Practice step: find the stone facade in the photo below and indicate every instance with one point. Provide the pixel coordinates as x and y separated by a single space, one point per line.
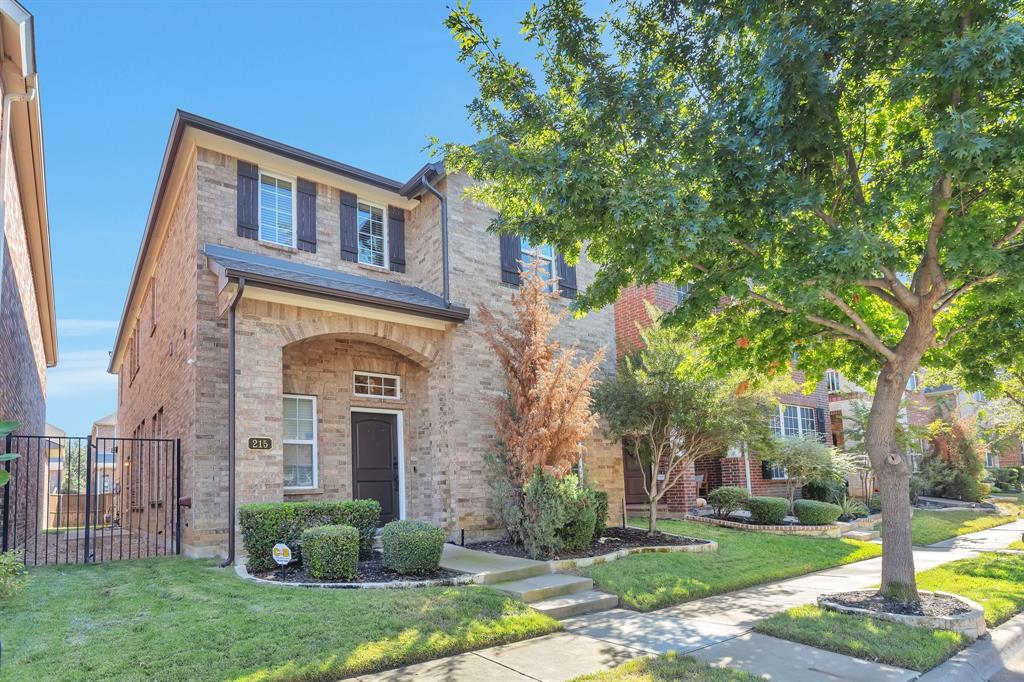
449 379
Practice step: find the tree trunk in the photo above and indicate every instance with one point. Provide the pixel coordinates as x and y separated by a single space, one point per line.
652 519
893 477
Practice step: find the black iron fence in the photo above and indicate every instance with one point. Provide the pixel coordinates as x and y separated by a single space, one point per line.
82 499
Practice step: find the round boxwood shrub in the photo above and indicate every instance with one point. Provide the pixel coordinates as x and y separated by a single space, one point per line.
330 552
411 546
578 533
727 499
816 513
768 511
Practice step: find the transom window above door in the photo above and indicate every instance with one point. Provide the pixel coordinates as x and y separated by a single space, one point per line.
544 256
372 385
300 468
277 210
372 245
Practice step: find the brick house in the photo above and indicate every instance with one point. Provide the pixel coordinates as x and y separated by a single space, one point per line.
799 414
28 343
325 315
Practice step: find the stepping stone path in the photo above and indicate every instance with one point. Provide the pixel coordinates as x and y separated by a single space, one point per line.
533 582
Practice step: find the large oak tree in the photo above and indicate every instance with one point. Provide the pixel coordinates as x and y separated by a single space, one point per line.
849 175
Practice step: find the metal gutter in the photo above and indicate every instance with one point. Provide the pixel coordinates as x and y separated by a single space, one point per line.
231 422
443 198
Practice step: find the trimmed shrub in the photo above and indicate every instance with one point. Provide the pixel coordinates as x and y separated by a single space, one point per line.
727 499
1006 479
816 512
411 546
331 552
545 513
600 512
827 490
578 532
264 525
13 573
767 511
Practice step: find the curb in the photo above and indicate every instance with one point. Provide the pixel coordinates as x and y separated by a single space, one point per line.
984 658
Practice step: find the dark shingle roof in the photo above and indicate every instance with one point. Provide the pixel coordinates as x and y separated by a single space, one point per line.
326 283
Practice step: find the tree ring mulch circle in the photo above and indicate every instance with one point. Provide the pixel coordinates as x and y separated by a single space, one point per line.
935 610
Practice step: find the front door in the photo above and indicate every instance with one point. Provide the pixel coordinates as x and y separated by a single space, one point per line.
375 461
633 477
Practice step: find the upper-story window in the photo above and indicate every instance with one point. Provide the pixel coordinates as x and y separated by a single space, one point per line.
277 210
544 255
682 293
372 236
913 382
793 420
832 381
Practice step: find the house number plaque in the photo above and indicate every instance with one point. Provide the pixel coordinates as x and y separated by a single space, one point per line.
260 443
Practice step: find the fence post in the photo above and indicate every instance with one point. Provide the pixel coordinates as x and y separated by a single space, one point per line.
88 495
8 442
177 496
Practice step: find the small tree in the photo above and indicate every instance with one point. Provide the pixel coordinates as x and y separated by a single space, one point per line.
955 465
546 413
906 438
808 459
671 410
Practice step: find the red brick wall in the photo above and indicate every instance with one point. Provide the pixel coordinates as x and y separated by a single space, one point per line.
631 310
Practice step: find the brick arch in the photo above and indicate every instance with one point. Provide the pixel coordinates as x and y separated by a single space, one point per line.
413 343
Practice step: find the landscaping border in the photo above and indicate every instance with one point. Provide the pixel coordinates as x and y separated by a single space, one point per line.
585 562
242 572
830 531
971 623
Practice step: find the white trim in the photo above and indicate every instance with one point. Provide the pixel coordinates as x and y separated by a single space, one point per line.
384 232
398 385
259 206
284 441
401 450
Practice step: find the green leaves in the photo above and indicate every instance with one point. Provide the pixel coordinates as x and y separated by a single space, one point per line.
8 427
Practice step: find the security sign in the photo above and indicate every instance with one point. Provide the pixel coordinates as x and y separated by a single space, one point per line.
282 553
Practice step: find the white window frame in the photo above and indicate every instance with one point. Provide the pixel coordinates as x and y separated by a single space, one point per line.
779 472
292 441
991 460
832 381
534 251
259 208
384 232
378 375
400 426
683 292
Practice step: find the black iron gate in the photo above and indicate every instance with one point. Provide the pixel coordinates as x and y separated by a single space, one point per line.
79 500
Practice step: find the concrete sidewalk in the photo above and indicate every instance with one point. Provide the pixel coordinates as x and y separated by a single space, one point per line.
715 630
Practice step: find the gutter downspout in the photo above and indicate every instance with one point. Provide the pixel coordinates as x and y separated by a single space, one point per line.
444 237
746 469
231 422
5 153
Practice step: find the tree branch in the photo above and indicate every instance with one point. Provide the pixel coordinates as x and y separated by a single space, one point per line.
864 327
1011 235
851 165
948 299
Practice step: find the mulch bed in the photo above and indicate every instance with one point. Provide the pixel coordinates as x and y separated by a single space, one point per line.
612 540
369 571
930 604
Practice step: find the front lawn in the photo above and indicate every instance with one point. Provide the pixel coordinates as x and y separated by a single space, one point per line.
996 581
652 581
668 668
930 527
873 640
178 619
1017 545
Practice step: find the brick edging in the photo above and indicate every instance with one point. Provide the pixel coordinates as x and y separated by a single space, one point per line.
584 562
829 531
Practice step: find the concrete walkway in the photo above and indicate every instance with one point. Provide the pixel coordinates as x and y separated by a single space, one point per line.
716 630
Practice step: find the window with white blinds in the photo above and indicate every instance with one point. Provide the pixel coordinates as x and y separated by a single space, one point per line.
372 239
544 255
277 210
300 467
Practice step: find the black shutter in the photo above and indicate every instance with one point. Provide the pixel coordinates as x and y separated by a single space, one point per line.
766 470
819 415
307 215
349 233
396 238
248 199
511 252
566 278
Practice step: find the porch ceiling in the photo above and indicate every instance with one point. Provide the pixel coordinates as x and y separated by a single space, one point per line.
351 291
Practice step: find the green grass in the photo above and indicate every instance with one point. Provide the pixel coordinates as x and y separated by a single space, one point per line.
668 668
177 619
929 527
874 640
1017 545
652 581
996 581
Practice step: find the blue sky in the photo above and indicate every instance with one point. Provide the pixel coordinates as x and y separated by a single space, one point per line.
363 83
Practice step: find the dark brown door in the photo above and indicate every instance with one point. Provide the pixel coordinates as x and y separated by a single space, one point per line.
375 461
634 479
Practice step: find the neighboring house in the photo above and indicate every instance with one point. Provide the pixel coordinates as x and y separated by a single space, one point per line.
103 433
799 414
28 342
55 442
346 304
